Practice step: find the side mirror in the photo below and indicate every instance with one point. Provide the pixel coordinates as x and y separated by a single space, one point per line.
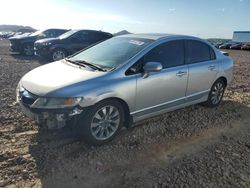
151 67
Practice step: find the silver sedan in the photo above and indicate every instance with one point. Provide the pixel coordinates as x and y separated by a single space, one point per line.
124 80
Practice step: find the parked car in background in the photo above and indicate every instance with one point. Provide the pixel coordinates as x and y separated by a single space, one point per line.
7 34
216 45
236 46
122 80
25 43
68 43
226 45
246 47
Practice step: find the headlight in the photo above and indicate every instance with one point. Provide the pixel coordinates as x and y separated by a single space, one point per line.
56 102
46 43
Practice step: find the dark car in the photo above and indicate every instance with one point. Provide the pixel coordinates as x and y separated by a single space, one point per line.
68 43
246 47
236 46
25 44
226 45
217 45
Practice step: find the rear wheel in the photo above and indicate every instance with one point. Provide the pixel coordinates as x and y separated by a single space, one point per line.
101 122
216 93
58 54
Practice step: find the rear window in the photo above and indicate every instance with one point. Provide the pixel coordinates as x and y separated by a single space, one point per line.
198 52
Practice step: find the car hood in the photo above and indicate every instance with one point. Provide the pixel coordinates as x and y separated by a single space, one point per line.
22 37
47 40
54 76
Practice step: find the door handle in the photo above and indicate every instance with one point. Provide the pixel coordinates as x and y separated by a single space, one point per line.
181 73
211 67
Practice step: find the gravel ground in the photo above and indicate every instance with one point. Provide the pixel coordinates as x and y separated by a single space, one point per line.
191 147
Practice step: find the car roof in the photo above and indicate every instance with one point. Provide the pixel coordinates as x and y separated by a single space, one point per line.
157 36
55 29
77 30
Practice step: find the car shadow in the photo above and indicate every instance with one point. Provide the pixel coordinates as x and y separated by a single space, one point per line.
61 152
24 58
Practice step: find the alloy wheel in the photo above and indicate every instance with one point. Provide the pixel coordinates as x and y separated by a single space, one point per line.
58 55
28 50
105 122
217 93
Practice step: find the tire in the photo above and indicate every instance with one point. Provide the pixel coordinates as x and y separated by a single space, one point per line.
28 50
58 54
216 93
96 129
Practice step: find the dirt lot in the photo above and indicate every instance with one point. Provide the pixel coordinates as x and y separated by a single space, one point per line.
191 147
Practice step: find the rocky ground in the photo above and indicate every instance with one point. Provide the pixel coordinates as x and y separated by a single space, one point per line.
191 147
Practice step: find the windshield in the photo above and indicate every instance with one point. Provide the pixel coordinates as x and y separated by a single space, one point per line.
113 52
67 34
37 33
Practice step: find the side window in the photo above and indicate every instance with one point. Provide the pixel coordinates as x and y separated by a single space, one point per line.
198 52
45 33
59 32
136 68
170 54
50 33
94 36
82 36
212 54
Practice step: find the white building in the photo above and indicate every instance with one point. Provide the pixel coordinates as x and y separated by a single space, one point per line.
241 36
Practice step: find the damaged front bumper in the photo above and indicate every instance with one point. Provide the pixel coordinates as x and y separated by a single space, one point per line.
50 119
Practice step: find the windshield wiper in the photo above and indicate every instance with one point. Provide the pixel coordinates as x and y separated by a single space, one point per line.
82 62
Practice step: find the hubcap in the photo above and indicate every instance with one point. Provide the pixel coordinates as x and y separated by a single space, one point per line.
57 55
28 50
105 122
217 93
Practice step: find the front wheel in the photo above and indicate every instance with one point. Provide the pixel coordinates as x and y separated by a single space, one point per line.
58 54
216 93
101 122
28 50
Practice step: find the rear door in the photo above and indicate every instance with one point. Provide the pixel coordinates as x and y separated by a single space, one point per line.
203 68
167 88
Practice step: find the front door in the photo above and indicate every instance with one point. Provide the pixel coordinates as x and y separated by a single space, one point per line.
166 88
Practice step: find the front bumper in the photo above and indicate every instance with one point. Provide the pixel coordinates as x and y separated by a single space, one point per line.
48 118
14 47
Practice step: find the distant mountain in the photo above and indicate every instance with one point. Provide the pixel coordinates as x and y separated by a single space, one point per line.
123 32
16 28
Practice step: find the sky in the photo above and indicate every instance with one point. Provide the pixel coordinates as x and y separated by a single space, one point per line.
202 18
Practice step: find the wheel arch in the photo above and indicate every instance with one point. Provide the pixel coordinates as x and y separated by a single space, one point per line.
128 117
